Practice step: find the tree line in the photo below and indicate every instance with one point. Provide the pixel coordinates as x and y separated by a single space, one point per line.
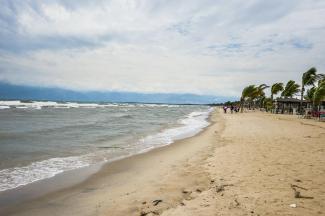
254 95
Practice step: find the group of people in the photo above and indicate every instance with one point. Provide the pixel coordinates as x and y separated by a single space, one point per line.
232 109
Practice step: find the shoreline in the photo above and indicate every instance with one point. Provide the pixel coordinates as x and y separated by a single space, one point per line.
70 179
241 164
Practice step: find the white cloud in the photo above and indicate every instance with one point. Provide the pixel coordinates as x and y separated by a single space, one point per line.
206 47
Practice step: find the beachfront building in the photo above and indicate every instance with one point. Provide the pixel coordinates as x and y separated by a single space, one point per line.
322 106
289 105
320 113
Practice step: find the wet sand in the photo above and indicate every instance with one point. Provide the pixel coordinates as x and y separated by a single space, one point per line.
243 164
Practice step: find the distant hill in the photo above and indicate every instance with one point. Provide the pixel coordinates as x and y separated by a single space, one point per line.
19 92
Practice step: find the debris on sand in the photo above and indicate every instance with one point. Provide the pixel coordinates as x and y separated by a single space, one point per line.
297 193
237 203
186 192
222 187
296 186
156 202
144 213
293 205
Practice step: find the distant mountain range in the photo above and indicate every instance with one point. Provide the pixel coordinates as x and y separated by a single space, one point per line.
20 92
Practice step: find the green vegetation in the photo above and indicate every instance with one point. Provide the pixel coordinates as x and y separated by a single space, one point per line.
291 89
276 88
254 96
309 78
319 92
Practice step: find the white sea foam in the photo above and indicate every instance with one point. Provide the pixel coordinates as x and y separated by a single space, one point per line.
52 104
189 126
4 107
10 103
21 107
17 176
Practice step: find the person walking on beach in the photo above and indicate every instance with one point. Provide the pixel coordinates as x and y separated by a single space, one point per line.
225 109
231 109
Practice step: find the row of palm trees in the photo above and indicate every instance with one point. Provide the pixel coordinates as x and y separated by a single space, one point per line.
255 96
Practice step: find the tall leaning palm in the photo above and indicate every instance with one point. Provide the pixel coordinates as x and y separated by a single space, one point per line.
310 94
246 94
291 89
260 90
308 79
276 88
319 93
259 93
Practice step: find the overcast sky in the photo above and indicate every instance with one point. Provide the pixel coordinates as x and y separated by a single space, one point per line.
193 46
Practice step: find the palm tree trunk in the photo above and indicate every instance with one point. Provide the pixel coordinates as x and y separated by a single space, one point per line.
241 105
272 107
301 98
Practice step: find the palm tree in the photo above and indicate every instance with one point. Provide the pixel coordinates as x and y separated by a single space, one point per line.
252 93
319 93
259 93
267 103
310 94
291 89
308 78
276 88
260 90
247 93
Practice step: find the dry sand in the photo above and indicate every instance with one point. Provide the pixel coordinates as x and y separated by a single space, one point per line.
243 164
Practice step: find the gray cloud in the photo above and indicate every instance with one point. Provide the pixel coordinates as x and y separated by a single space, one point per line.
205 47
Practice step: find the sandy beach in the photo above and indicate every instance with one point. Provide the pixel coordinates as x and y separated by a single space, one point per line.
242 164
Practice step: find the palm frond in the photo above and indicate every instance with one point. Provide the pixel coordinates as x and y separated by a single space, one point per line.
310 94
291 89
276 88
319 93
309 77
